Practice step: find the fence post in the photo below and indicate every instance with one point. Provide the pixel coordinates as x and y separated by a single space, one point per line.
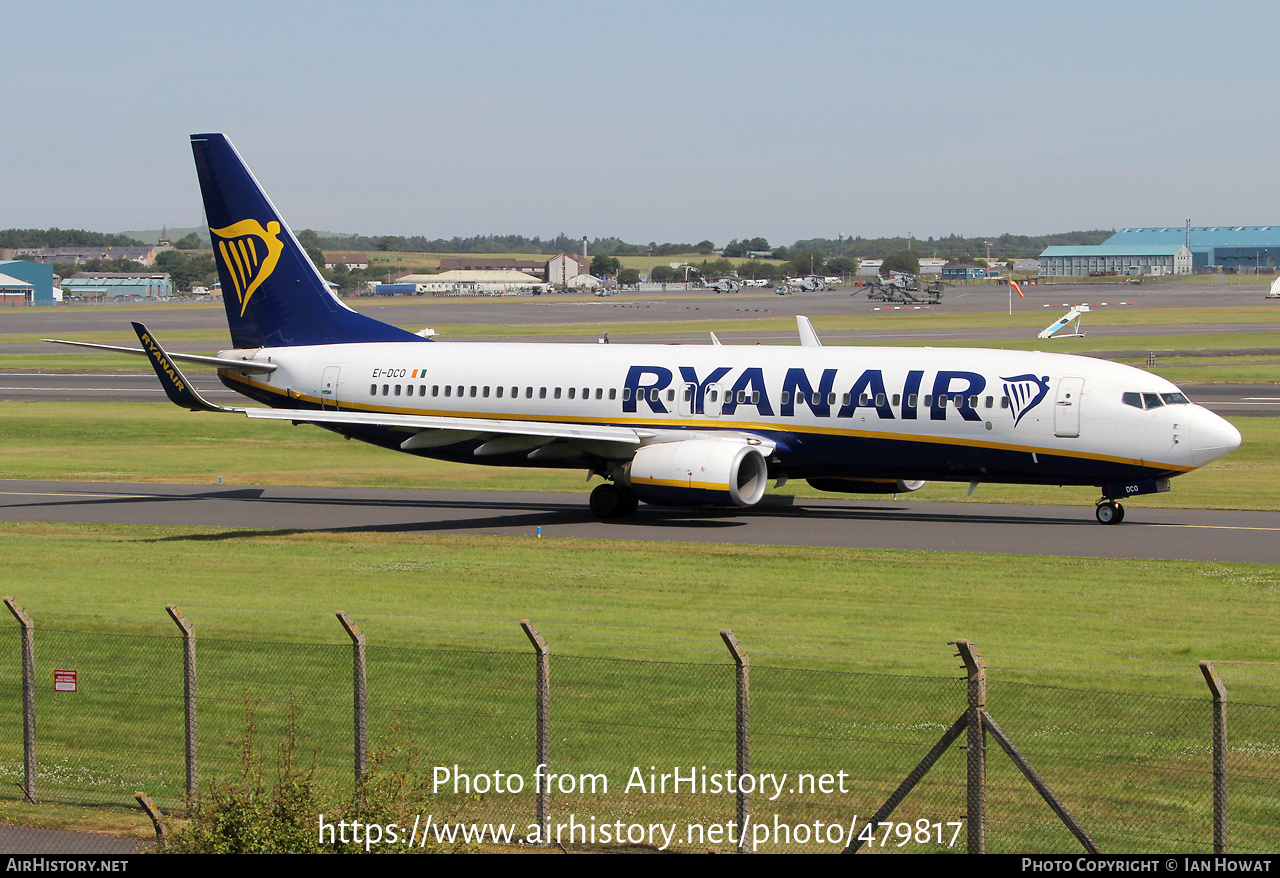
1219 756
542 745
28 699
360 706
743 761
976 761
189 697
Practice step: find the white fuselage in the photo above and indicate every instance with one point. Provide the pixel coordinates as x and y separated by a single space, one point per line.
958 414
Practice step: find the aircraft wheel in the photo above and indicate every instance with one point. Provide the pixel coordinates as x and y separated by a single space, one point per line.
630 503
1109 513
606 501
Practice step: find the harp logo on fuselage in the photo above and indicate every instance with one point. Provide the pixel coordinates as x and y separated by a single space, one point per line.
1025 393
248 253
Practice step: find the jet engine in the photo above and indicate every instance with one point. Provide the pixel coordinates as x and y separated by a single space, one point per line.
697 472
867 486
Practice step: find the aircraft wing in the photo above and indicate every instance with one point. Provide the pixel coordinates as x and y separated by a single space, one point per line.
503 435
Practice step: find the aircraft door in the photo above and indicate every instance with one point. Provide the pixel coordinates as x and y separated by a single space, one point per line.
329 388
712 400
1066 412
687 402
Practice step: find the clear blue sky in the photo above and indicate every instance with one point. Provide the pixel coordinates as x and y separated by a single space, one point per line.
650 121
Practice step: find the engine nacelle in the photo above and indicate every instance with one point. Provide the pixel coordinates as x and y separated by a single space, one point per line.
866 486
697 472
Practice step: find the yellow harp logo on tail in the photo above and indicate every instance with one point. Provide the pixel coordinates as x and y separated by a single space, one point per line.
250 254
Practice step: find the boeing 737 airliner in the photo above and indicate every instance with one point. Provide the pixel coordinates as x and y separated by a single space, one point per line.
674 424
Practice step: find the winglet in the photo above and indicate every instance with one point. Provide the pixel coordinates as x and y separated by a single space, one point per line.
175 384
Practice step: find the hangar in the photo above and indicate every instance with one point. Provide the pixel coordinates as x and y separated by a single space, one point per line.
1230 248
1108 258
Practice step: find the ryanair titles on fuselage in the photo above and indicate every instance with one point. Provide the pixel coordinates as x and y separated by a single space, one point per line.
828 397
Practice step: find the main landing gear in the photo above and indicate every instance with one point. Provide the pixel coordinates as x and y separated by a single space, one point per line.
1108 512
611 501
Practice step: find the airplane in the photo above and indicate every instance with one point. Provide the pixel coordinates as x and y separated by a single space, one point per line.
672 425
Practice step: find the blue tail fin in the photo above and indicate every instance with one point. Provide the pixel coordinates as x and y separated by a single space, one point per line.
273 294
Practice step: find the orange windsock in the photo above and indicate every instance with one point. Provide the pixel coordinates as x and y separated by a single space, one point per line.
1014 284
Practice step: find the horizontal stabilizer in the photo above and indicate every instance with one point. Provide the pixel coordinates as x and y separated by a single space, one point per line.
249 366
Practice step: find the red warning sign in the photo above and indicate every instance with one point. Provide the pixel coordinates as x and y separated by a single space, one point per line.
64 681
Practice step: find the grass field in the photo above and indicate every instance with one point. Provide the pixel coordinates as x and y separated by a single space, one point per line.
850 667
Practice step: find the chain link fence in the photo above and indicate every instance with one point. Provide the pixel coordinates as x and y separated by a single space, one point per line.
632 743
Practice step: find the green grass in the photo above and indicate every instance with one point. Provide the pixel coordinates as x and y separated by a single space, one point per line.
850 668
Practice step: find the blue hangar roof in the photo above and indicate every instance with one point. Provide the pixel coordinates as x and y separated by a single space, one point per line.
1202 237
1110 249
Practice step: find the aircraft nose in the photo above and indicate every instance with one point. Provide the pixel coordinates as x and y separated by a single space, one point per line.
1211 437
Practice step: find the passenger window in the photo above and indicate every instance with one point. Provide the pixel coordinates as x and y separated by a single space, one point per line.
688 394
422 390
498 390
385 390
599 393
485 391
397 390
626 394
586 393
742 397
755 397
990 400
879 399
864 400
462 391
671 396
973 402
528 393
715 395
1004 402
373 390
435 389
408 390
572 392
928 400
897 399
786 397
613 393
912 400
653 395
831 399
542 393
473 391
448 390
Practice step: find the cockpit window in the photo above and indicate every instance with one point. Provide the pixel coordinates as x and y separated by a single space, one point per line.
1150 401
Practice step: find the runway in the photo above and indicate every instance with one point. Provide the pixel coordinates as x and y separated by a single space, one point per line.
1067 531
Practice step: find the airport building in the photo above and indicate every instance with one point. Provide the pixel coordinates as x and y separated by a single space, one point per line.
113 285
1213 248
26 283
463 283
1116 259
